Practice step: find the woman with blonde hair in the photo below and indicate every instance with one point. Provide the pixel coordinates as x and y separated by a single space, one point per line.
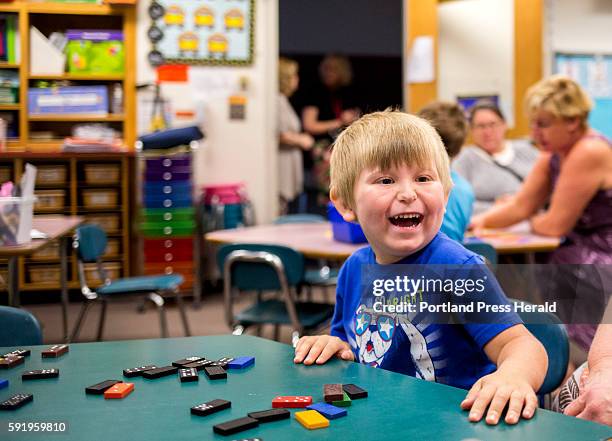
292 140
573 175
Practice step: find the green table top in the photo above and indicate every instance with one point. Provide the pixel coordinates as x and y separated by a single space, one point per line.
398 407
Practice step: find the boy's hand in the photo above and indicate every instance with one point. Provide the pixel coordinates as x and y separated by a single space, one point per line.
321 348
495 390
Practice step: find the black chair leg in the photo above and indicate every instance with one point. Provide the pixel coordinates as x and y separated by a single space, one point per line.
79 323
181 307
276 332
159 303
102 320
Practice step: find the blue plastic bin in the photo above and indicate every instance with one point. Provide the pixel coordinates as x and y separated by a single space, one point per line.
344 231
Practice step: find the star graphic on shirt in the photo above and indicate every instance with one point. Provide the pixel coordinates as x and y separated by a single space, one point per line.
361 323
385 328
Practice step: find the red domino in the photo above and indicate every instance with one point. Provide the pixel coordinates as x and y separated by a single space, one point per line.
119 390
292 401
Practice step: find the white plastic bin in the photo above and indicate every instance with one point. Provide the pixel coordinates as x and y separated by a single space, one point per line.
15 220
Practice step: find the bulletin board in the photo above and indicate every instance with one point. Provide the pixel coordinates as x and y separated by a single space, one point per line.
594 73
202 32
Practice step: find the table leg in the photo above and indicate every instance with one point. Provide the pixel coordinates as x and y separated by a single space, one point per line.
64 284
13 282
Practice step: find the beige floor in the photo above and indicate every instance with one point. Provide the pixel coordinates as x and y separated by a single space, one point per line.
125 322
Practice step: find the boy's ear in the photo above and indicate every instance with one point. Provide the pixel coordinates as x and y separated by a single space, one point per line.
347 212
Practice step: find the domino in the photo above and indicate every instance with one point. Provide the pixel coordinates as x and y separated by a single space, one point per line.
265 416
344 402
222 362
187 360
332 392
210 407
55 351
354 392
159 372
215 372
327 410
241 362
311 419
40 373
11 361
100 388
3 383
188 375
292 401
235 426
16 401
118 391
199 365
18 353
137 371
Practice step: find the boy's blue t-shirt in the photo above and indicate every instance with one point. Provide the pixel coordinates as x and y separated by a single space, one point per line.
458 208
446 353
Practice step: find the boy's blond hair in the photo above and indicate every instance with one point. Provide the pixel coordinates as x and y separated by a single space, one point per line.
561 96
385 139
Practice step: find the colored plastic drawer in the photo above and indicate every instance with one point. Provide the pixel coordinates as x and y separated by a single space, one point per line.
166 188
177 255
177 174
162 230
165 215
168 162
171 244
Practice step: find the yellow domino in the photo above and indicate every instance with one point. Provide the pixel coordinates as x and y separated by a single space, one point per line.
311 419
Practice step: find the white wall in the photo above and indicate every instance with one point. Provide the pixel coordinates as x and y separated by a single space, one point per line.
476 50
233 150
580 26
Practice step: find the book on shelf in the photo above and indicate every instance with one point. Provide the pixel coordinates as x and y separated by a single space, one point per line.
9 39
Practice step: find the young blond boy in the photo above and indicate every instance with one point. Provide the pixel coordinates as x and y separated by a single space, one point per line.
390 171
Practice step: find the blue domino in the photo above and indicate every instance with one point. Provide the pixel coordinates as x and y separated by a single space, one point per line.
3 383
241 362
327 410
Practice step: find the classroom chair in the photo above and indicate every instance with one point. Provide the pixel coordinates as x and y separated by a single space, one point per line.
549 330
260 268
487 251
318 273
18 328
90 245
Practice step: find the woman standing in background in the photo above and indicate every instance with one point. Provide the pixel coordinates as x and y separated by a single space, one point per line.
292 140
493 166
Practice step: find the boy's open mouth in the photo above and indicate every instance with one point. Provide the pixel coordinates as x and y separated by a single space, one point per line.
407 220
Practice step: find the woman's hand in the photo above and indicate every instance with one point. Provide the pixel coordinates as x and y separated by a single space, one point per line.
348 116
306 142
595 400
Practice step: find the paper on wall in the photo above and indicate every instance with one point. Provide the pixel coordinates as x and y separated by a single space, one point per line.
420 66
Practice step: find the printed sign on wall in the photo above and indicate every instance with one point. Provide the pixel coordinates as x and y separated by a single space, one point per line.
203 32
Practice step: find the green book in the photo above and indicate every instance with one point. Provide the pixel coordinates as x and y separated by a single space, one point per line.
11 25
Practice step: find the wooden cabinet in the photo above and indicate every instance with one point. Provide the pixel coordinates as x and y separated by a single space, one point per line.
97 187
45 133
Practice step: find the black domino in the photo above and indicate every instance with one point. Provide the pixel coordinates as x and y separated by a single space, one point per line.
187 360
11 361
215 372
16 401
210 407
188 374
98 389
55 351
40 373
265 416
199 365
137 371
160 372
18 353
222 362
354 392
235 426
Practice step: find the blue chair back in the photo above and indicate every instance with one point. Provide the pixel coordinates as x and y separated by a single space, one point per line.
18 328
300 218
484 249
549 330
92 242
248 276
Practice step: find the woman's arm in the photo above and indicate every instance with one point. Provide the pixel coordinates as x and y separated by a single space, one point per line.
294 139
530 197
311 123
582 175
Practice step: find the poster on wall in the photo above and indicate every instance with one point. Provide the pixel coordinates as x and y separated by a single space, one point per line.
594 73
202 32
